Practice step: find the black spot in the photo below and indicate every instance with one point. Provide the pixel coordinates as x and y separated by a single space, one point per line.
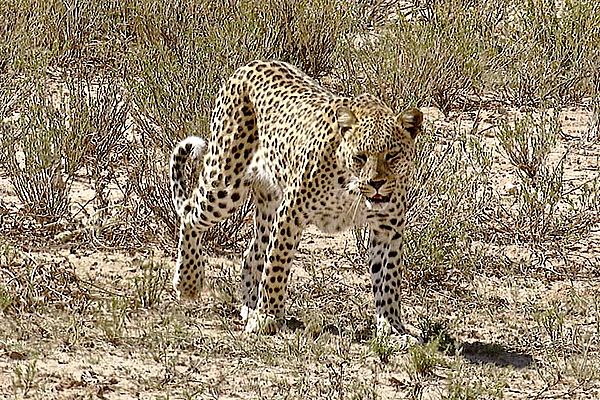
247 111
375 268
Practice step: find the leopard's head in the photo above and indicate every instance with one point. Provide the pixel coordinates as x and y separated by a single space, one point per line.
377 147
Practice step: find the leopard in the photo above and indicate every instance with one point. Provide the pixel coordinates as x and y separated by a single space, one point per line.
303 156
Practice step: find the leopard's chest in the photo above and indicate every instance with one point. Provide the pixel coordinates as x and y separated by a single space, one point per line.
333 221
333 208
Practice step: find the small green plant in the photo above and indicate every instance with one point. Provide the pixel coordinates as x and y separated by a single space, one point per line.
423 358
150 286
542 209
584 369
113 325
462 385
437 331
40 135
384 347
6 299
97 112
552 320
24 377
527 141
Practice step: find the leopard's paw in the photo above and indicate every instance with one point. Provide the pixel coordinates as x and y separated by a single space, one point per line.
403 335
261 323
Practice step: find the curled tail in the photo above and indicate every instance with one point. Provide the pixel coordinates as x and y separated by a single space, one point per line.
193 147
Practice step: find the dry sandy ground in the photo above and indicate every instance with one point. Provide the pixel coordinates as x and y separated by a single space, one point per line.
530 333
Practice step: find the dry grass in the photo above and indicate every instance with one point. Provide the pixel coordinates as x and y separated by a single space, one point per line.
502 262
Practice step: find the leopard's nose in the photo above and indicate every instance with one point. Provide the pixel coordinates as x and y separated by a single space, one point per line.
376 184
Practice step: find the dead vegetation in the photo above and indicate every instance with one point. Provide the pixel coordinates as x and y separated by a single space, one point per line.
502 245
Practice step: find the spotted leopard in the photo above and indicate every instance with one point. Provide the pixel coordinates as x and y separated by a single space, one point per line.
304 156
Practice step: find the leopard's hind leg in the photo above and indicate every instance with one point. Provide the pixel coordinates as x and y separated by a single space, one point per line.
223 185
266 200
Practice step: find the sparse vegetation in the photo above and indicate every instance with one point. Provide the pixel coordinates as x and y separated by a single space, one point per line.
502 241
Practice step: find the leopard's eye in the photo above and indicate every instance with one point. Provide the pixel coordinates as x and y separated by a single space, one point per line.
392 155
360 159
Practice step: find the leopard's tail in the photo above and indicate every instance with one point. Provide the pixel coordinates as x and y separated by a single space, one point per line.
191 147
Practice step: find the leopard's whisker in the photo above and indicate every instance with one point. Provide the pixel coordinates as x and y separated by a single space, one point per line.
355 205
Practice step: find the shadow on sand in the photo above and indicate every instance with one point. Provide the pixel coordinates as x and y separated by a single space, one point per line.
474 352
491 353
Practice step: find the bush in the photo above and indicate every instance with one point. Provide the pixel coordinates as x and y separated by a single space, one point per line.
81 35
544 51
39 159
438 60
542 209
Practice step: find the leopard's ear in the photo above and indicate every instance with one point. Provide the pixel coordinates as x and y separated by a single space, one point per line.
412 121
345 118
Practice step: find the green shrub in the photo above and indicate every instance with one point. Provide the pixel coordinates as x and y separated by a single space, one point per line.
450 191
438 60
38 159
76 35
544 52
542 209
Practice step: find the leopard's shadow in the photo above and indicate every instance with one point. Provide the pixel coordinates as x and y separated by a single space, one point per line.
475 352
493 353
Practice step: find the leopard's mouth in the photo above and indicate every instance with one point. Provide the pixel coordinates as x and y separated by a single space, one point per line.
378 199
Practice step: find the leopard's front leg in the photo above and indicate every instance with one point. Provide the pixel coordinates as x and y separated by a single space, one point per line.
385 255
285 236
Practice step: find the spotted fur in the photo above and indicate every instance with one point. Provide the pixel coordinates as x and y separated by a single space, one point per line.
306 156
